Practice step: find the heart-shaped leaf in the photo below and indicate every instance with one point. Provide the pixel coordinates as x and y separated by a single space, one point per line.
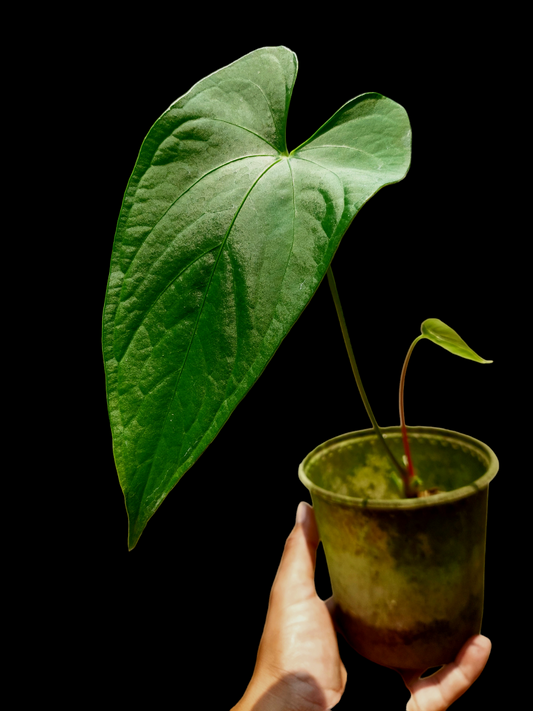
222 240
441 334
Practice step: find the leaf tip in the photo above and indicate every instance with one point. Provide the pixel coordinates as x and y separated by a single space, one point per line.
132 541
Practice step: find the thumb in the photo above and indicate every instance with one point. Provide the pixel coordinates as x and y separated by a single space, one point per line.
296 572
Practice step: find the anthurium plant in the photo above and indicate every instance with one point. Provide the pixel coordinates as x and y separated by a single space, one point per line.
222 239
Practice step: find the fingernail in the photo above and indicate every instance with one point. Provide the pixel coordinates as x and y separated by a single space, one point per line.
301 512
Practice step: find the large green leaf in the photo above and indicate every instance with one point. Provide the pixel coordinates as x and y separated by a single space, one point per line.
222 240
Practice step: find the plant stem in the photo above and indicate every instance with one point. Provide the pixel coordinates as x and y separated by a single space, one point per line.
410 469
344 329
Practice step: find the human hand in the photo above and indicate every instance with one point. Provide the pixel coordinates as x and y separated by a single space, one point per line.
298 664
438 691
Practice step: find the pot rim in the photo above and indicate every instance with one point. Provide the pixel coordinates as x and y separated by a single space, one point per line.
474 445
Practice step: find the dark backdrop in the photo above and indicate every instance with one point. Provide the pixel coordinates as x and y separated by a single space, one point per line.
183 613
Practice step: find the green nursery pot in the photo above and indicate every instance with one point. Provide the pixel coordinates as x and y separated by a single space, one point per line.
407 574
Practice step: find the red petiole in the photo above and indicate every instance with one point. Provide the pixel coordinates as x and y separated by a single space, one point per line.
410 473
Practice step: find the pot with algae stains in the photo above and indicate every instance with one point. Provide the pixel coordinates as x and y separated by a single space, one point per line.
407 574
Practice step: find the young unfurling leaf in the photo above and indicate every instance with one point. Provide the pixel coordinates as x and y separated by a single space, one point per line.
441 334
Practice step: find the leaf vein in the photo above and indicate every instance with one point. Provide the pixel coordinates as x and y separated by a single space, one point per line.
258 135
147 312
307 160
200 311
209 172
332 145
267 103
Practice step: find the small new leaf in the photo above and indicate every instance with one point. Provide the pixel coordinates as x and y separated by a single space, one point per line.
441 334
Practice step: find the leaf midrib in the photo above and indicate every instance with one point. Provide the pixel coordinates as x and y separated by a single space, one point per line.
279 297
290 158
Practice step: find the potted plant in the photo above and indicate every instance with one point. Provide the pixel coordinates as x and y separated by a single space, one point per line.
405 551
223 238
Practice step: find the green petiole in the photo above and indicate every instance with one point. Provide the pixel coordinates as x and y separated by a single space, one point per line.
333 287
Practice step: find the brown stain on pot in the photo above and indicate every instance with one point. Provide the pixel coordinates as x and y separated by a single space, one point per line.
417 647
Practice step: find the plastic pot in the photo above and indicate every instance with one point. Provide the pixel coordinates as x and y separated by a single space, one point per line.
407 574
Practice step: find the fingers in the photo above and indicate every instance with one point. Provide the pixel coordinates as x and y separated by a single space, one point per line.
439 691
296 572
461 674
305 516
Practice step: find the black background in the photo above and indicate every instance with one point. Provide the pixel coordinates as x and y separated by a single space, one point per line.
180 617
